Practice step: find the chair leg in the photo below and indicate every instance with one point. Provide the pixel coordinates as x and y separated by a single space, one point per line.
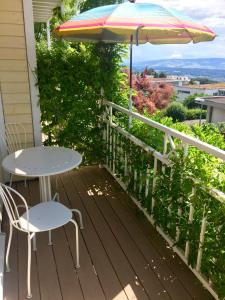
80 217
50 238
29 295
8 247
77 244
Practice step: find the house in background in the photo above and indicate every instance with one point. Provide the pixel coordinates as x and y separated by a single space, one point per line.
213 89
215 108
171 79
18 91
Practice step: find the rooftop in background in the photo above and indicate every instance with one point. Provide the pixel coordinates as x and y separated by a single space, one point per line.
210 86
215 108
174 80
215 101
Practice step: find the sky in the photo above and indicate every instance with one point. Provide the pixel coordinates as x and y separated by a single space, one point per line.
208 12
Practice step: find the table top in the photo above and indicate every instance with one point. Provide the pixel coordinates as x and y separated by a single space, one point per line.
41 161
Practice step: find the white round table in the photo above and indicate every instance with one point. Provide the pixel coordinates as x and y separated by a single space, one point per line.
42 162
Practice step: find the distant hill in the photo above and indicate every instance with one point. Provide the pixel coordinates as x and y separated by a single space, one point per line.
213 68
199 63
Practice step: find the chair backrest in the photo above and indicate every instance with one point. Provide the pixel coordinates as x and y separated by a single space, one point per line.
16 137
9 197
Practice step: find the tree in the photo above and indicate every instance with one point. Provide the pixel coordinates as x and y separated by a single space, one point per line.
162 75
150 96
88 4
189 101
148 71
176 111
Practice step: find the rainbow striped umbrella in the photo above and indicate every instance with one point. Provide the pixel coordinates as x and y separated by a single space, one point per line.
139 22
117 23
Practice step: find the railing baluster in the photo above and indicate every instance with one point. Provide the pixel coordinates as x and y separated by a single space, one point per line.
114 151
110 146
125 164
201 242
107 144
179 211
190 220
135 180
147 182
140 182
154 182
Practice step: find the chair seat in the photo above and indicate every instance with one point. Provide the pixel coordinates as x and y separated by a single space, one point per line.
46 216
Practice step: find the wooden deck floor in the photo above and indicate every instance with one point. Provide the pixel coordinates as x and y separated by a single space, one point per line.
122 256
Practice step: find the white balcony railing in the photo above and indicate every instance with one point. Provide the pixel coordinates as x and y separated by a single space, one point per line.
138 168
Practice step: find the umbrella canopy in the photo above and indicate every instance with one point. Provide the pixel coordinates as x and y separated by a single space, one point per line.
148 22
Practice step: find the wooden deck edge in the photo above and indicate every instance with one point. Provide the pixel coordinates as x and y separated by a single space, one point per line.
164 236
2 262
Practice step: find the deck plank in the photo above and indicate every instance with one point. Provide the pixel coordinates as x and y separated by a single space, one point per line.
11 283
146 276
22 258
107 276
122 257
128 277
171 260
86 273
67 274
49 282
130 225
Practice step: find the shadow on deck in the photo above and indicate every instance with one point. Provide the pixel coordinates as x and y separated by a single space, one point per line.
122 256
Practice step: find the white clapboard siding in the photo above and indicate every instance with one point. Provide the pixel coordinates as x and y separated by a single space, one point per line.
11 17
15 98
11 5
12 42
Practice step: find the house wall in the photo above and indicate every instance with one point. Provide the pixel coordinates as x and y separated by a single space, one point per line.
218 115
16 86
183 92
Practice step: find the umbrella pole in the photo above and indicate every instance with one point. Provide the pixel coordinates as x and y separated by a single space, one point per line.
131 71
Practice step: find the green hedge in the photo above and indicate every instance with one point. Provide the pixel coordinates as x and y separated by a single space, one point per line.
195 113
179 113
190 103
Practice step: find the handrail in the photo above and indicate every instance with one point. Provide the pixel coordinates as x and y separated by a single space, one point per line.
219 153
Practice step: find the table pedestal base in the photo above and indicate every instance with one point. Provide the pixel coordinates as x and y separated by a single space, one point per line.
45 188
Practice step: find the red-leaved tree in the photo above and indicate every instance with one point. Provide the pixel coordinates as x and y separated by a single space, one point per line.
150 96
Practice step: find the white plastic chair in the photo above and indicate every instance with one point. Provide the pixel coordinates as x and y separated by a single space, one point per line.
44 216
15 139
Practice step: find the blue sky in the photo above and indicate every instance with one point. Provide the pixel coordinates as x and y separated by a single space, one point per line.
208 12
